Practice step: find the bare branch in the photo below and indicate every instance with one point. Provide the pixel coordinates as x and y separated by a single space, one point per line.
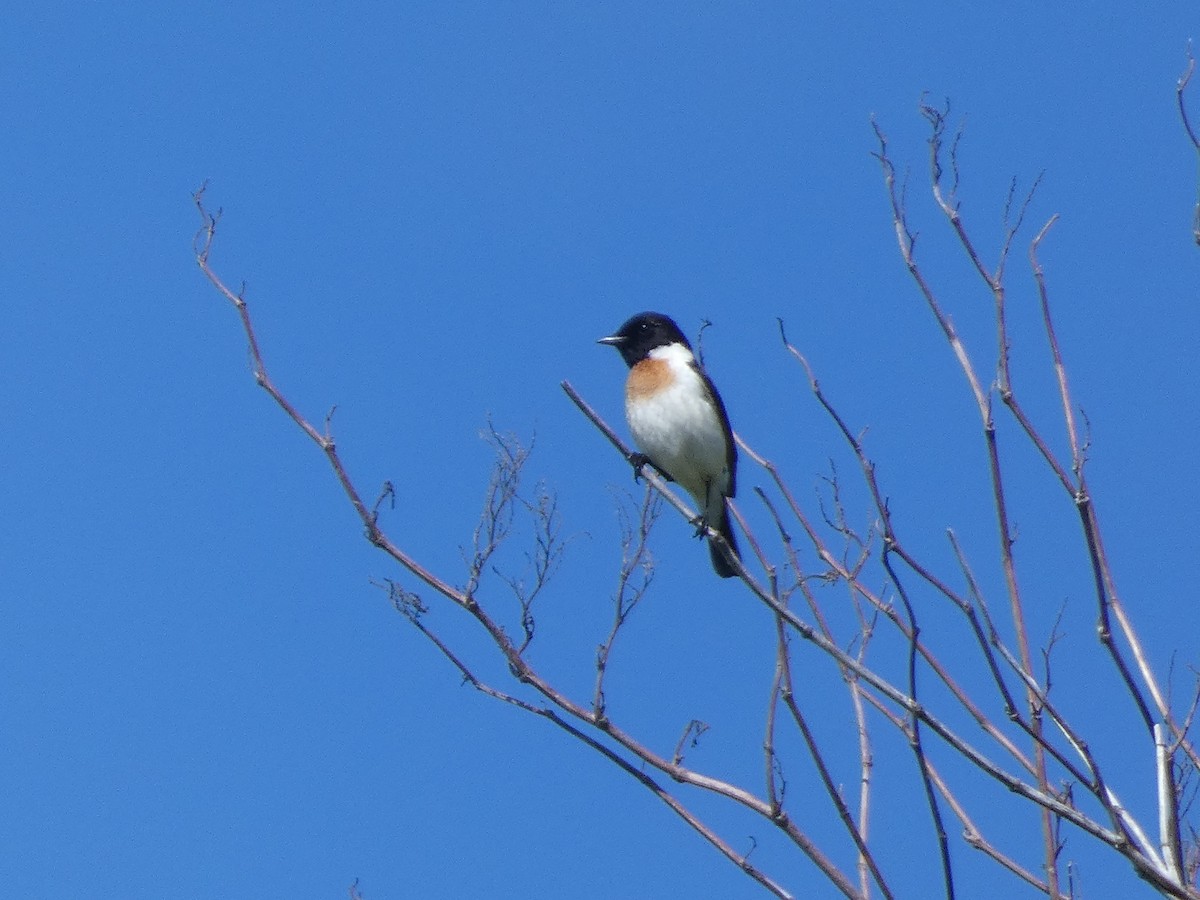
633 581
1170 846
974 837
1181 100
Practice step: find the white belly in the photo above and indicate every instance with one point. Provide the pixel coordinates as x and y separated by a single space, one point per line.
681 433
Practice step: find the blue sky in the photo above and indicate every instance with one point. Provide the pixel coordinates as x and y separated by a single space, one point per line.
437 209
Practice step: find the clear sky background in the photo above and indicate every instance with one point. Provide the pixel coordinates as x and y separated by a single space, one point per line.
437 209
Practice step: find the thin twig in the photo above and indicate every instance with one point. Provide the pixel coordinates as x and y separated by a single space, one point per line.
633 581
1181 101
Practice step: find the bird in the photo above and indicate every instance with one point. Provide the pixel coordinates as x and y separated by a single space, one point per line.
679 423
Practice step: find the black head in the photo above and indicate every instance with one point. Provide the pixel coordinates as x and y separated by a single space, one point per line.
641 334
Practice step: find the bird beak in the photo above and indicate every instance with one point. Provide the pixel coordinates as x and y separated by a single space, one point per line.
613 340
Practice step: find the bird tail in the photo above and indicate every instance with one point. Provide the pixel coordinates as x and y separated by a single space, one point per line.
721 565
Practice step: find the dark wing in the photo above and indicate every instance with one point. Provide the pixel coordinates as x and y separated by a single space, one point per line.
730 446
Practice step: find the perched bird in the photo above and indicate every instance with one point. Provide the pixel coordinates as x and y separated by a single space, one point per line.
679 422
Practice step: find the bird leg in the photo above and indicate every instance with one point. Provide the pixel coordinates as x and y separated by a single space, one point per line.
637 460
701 521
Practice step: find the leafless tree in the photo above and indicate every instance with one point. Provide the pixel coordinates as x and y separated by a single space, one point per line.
1000 684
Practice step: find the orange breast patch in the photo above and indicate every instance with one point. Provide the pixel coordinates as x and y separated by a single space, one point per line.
647 378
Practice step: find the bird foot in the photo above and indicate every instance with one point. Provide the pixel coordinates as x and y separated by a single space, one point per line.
637 460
